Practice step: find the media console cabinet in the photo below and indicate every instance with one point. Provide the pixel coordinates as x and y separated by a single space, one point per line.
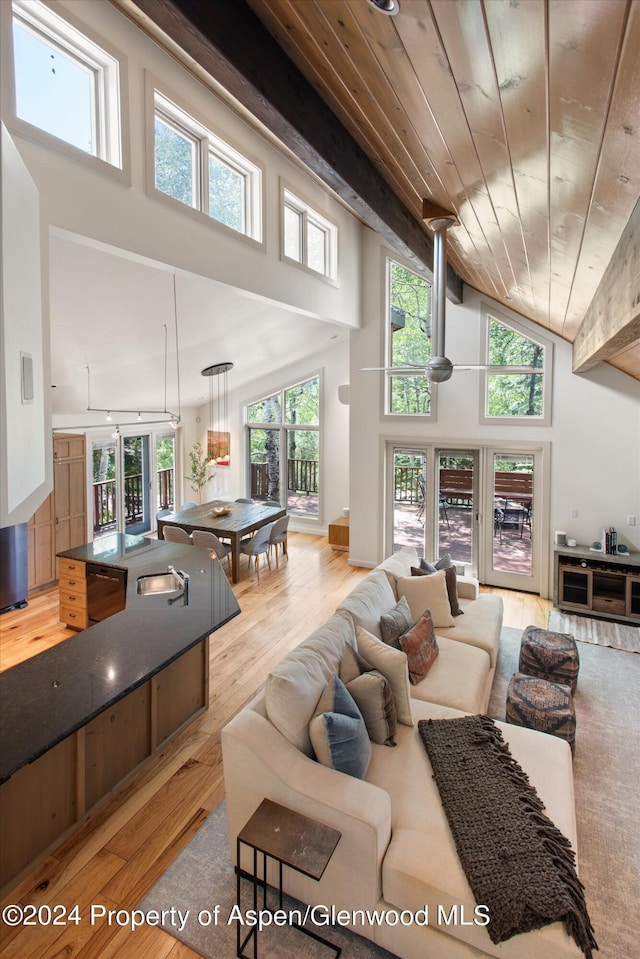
599 584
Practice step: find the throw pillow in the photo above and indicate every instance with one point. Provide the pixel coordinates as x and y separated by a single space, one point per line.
421 647
428 592
338 733
373 696
443 563
392 663
451 579
396 622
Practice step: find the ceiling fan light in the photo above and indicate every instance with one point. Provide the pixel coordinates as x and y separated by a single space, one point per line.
390 7
439 369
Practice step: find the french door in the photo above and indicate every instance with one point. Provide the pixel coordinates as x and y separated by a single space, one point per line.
483 505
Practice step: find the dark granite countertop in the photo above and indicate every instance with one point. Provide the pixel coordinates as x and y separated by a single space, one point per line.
48 697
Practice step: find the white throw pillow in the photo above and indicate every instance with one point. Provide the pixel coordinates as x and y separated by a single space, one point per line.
392 663
428 592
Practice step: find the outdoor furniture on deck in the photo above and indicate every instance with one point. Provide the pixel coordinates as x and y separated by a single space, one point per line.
242 520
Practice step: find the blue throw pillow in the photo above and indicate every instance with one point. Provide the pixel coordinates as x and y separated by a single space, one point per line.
338 732
445 562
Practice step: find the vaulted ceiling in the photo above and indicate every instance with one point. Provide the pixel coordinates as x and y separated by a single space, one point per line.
521 116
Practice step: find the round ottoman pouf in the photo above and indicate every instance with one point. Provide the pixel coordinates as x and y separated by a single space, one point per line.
542 705
548 655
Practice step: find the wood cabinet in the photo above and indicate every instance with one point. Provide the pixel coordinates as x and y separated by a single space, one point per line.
72 585
606 585
60 523
338 533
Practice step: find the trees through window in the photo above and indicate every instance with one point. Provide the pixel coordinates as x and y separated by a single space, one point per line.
409 339
516 379
307 237
284 447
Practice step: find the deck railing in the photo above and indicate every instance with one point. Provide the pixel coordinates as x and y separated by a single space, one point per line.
104 499
457 485
302 477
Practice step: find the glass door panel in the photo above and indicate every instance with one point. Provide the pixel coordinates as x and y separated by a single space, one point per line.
303 455
165 467
513 495
105 496
457 525
410 503
136 484
264 448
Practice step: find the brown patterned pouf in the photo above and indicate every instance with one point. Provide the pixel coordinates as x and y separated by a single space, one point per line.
542 705
548 655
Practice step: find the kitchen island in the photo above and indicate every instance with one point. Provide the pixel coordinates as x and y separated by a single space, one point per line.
80 717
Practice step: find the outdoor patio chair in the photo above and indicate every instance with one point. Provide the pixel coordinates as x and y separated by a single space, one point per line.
175 534
258 545
278 536
444 509
525 519
210 541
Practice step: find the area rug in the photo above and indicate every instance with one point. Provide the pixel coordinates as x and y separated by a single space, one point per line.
600 632
606 783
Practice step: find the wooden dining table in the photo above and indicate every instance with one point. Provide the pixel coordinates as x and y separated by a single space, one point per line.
240 522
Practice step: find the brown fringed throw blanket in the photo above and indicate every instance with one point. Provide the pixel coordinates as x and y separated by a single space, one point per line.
517 862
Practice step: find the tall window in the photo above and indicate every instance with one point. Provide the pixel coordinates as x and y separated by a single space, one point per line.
284 447
197 168
66 85
408 340
517 378
308 238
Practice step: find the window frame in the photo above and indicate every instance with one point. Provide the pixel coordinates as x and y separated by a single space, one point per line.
75 41
389 414
487 314
309 215
164 105
282 427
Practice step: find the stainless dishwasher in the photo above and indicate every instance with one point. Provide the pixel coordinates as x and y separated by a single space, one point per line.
106 591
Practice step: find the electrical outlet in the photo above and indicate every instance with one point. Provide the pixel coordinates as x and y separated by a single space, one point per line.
574 513
631 520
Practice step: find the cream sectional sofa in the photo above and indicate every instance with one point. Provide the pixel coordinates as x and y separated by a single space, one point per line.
396 852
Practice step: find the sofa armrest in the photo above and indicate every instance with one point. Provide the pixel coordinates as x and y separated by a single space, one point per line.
468 587
260 763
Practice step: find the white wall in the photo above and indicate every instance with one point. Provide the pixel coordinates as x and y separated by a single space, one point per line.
594 434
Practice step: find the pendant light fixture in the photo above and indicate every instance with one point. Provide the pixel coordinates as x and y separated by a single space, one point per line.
218 440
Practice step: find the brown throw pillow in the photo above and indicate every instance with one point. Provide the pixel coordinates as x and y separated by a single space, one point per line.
396 622
452 586
421 647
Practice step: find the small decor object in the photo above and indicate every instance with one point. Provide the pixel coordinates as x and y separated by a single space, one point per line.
221 509
610 540
201 470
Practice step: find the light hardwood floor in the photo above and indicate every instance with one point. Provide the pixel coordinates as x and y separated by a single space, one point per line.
124 846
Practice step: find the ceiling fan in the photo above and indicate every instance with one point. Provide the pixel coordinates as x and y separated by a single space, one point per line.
439 369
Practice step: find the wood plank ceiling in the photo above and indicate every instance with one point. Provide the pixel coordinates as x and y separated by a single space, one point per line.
522 116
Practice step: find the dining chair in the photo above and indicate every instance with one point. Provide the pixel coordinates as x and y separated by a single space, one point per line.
273 502
278 536
257 545
175 534
243 499
188 505
209 540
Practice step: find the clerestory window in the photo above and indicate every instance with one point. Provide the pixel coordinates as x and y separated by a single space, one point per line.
195 167
307 237
516 384
66 85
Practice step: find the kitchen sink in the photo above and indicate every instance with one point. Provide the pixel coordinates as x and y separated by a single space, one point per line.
153 583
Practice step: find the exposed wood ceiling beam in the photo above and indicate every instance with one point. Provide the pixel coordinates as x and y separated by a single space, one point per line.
229 41
612 321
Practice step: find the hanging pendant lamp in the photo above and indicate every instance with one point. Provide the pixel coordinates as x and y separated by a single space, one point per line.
218 439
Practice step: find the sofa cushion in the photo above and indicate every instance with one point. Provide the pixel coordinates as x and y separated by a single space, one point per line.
421 866
421 647
373 696
399 564
428 592
445 562
338 732
451 579
396 622
294 686
392 663
458 678
366 603
480 626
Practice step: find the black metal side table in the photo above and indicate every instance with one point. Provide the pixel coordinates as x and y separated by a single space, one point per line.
290 839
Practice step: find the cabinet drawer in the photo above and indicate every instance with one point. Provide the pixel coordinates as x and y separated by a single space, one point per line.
75 600
606 604
74 617
72 568
73 583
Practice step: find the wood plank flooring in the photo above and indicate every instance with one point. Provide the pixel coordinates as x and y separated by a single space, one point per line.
124 846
